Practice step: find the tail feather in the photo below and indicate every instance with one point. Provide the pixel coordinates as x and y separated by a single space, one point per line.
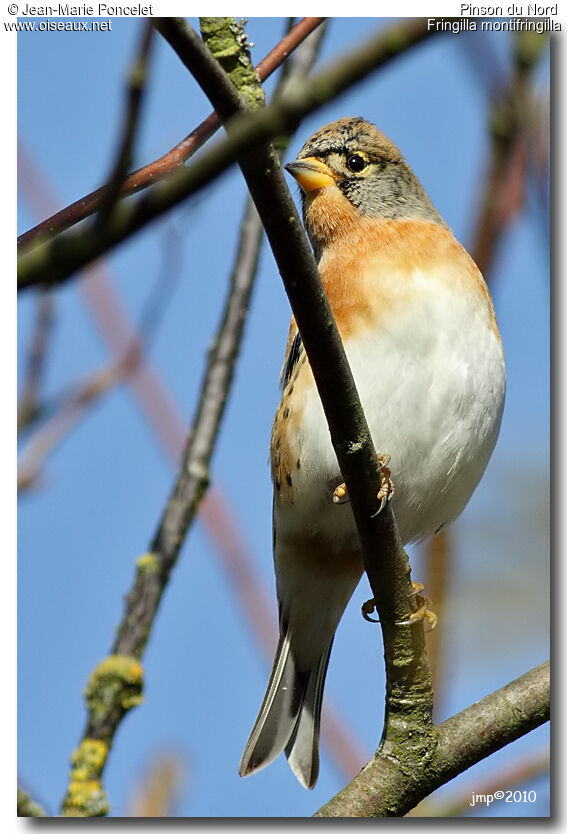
302 750
289 717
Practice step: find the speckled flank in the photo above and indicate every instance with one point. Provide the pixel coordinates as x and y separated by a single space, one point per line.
285 450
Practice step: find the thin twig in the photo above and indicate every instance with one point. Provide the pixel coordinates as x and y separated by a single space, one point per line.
159 788
437 560
55 261
136 88
29 402
158 169
512 125
121 671
81 399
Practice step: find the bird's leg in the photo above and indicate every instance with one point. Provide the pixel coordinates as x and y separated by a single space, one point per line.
423 612
385 493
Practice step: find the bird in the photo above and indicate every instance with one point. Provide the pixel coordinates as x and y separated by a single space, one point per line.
419 330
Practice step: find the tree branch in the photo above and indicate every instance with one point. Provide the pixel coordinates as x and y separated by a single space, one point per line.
158 169
115 685
55 261
411 747
136 88
386 788
511 123
27 807
29 402
408 724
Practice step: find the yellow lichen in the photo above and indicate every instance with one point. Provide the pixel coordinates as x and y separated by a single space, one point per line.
85 795
115 683
148 563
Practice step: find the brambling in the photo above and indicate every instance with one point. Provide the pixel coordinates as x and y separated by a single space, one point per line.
419 331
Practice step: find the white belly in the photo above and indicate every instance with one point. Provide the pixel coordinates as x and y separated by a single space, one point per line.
432 384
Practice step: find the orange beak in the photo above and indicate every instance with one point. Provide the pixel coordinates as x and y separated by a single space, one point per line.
311 173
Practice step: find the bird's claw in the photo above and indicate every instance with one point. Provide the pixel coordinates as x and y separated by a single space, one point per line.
385 493
423 612
368 608
340 494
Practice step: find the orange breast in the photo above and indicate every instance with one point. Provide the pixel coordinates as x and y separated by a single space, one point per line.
361 254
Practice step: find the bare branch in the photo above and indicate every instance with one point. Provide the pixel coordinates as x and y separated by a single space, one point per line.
136 88
408 721
116 684
29 405
55 261
503 779
437 561
167 425
386 787
158 169
69 408
512 121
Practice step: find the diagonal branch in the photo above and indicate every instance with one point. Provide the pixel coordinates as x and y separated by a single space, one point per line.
136 88
383 788
115 685
414 757
409 695
158 169
55 261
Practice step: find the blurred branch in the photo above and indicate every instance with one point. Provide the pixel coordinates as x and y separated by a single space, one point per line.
515 120
76 404
29 405
437 578
504 779
409 741
173 159
116 684
407 732
512 125
136 88
27 807
55 261
157 792
58 427
388 788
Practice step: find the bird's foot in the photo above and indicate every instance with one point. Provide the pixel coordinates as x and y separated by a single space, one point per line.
423 612
385 493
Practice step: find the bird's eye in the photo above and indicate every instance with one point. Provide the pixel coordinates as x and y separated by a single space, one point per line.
356 163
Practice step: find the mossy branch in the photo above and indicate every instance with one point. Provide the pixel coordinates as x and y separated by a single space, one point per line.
55 261
387 786
27 807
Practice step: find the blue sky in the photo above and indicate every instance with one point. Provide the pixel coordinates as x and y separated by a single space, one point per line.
102 491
